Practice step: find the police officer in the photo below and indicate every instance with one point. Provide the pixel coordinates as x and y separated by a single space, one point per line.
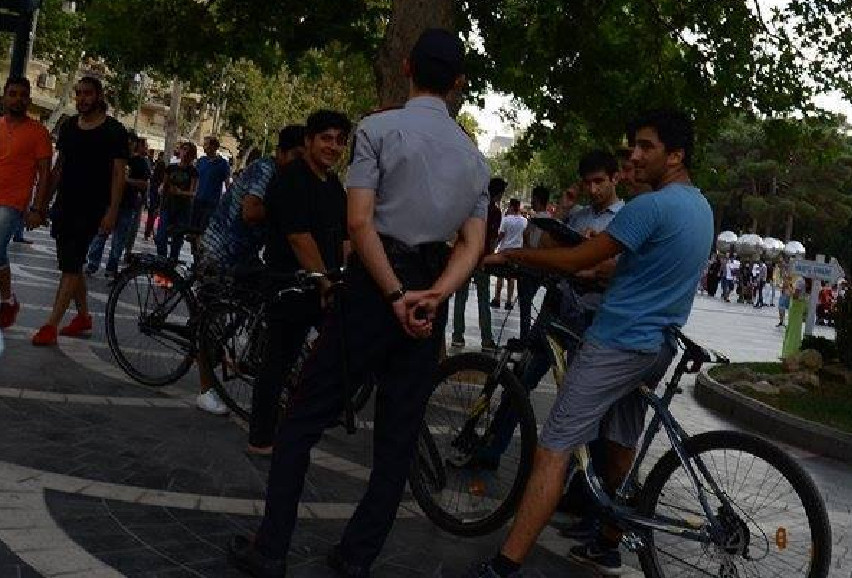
416 180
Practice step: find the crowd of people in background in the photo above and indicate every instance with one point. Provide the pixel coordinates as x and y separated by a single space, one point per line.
757 281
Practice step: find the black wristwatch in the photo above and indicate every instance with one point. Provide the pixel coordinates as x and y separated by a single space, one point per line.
395 296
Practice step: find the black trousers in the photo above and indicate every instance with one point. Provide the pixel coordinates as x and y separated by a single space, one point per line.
288 329
406 370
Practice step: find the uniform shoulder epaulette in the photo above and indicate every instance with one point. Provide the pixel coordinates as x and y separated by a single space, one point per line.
381 110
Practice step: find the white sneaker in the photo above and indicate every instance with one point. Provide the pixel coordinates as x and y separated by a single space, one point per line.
210 402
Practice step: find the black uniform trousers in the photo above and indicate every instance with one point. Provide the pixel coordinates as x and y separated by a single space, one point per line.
289 324
405 369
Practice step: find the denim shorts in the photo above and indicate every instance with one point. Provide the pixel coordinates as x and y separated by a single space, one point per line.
10 221
600 397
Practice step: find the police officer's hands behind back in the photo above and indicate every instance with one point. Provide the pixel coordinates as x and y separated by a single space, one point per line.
416 312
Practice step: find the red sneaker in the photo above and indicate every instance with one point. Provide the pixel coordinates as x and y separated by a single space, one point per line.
45 336
8 313
78 327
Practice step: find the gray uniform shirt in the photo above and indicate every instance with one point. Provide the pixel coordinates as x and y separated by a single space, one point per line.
428 175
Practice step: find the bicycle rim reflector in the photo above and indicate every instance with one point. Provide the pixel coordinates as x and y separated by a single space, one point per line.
781 538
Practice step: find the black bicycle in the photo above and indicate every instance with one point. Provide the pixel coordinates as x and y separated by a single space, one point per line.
722 503
152 317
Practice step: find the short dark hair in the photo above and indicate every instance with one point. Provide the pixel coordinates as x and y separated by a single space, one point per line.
436 60
322 120
290 137
674 129
99 90
598 160
497 186
515 203
17 81
213 141
541 195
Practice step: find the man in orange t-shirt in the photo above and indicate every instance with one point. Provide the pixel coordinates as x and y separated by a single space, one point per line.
25 152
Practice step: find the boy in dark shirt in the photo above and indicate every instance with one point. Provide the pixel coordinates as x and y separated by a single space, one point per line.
179 187
306 218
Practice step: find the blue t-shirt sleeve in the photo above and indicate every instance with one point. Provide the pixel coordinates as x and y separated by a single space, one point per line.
635 223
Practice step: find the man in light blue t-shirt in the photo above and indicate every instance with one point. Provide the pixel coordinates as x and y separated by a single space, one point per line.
662 239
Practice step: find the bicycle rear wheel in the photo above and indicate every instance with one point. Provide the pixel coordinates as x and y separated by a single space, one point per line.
149 325
776 525
460 477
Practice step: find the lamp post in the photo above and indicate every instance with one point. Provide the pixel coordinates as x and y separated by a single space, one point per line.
140 80
19 17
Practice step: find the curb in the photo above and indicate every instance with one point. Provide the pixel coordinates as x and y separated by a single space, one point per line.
758 416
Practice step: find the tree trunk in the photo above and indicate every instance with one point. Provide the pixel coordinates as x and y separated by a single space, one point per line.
64 98
409 19
173 121
788 229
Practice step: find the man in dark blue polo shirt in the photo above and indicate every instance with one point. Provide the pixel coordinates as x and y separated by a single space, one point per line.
213 172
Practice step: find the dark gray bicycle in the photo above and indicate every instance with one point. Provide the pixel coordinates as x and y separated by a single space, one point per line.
723 503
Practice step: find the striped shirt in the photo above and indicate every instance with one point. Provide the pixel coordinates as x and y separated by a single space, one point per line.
228 240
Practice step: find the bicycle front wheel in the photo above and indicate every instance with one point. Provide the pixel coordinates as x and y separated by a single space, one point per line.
233 343
774 520
476 447
149 325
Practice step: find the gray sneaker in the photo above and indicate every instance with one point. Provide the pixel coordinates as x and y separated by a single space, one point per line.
457 342
604 561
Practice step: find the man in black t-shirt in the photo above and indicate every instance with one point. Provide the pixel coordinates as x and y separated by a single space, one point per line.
306 219
136 184
90 173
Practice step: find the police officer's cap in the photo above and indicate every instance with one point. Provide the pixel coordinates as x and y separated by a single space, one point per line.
440 46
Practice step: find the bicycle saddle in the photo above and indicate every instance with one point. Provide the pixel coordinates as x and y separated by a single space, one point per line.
696 354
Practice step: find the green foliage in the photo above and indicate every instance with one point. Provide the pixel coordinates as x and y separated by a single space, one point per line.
260 104
843 328
826 347
60 37
470 126
780 176
597 63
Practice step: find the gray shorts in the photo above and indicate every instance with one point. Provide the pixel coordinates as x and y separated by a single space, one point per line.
600 396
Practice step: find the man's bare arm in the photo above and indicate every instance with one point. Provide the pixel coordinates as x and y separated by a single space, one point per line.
307 252
365 239
44 196
253 210
119 170
466 254
566 260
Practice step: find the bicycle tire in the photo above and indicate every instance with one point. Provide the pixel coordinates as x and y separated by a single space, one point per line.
423 479
129 358
237 395
800 482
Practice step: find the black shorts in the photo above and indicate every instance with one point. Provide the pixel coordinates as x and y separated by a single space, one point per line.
72 244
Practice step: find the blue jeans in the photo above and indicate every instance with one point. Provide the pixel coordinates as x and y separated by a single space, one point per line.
123 225
11 220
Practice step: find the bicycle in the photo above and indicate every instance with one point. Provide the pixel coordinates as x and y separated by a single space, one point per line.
686 517
233 333
161 298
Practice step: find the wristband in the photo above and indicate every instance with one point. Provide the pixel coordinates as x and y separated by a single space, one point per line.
395 296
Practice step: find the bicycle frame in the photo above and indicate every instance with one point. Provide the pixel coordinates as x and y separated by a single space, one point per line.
662 418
